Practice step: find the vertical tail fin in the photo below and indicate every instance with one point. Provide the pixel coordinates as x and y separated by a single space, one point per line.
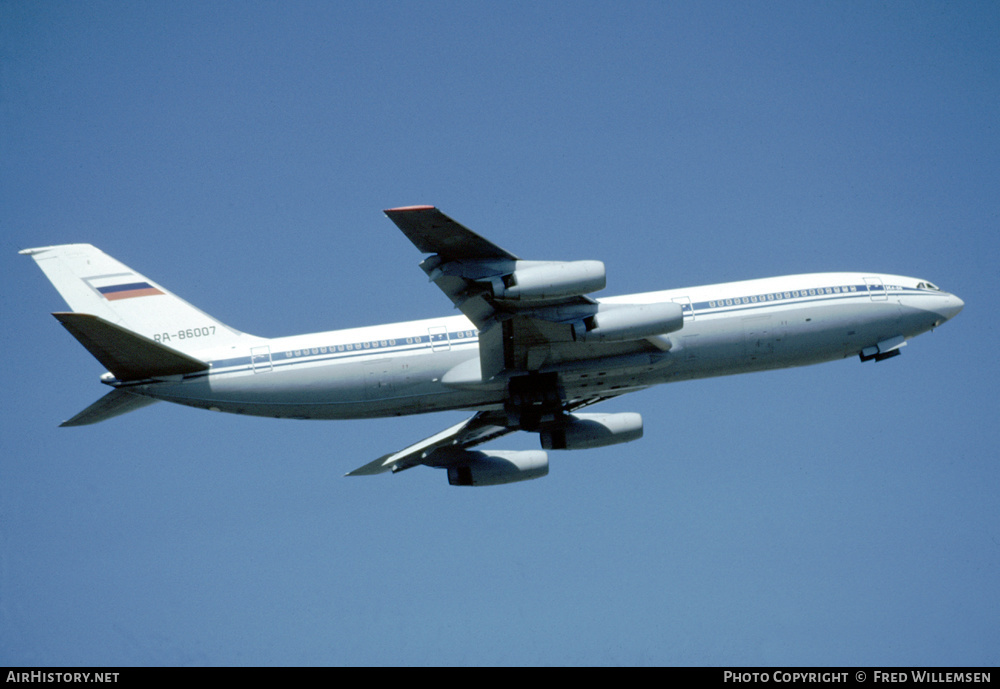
94 283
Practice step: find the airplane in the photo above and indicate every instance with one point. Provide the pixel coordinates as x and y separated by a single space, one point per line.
531 349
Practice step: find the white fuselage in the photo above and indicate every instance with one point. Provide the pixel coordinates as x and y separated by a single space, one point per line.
400 368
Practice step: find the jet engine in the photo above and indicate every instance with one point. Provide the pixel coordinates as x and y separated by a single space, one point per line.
618 322
494 467
532 280
584 431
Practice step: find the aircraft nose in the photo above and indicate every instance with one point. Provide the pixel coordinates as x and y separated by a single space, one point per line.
952 307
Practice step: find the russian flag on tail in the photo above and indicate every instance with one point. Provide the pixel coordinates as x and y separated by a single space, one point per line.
128 291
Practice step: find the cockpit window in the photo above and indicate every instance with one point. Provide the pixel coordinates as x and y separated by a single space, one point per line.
928 285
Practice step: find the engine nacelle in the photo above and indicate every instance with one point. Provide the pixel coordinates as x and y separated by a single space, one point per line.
550 280
584 431
618 322
495 467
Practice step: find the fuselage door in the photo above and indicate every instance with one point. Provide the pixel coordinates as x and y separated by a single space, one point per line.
686 307
260 359
439 338
876 290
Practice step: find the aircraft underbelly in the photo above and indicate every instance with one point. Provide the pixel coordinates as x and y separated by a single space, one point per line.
377 387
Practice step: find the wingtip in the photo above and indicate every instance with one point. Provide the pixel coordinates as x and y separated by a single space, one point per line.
379 466
403 209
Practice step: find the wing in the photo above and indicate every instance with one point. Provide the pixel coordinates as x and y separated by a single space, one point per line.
533 316
542 339
450 449
435 450
433 232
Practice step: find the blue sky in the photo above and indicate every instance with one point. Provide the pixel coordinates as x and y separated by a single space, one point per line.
241 154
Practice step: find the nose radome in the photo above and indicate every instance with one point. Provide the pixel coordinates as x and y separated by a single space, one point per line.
952 308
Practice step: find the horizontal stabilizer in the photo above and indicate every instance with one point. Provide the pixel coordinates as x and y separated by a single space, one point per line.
115 403
128 355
